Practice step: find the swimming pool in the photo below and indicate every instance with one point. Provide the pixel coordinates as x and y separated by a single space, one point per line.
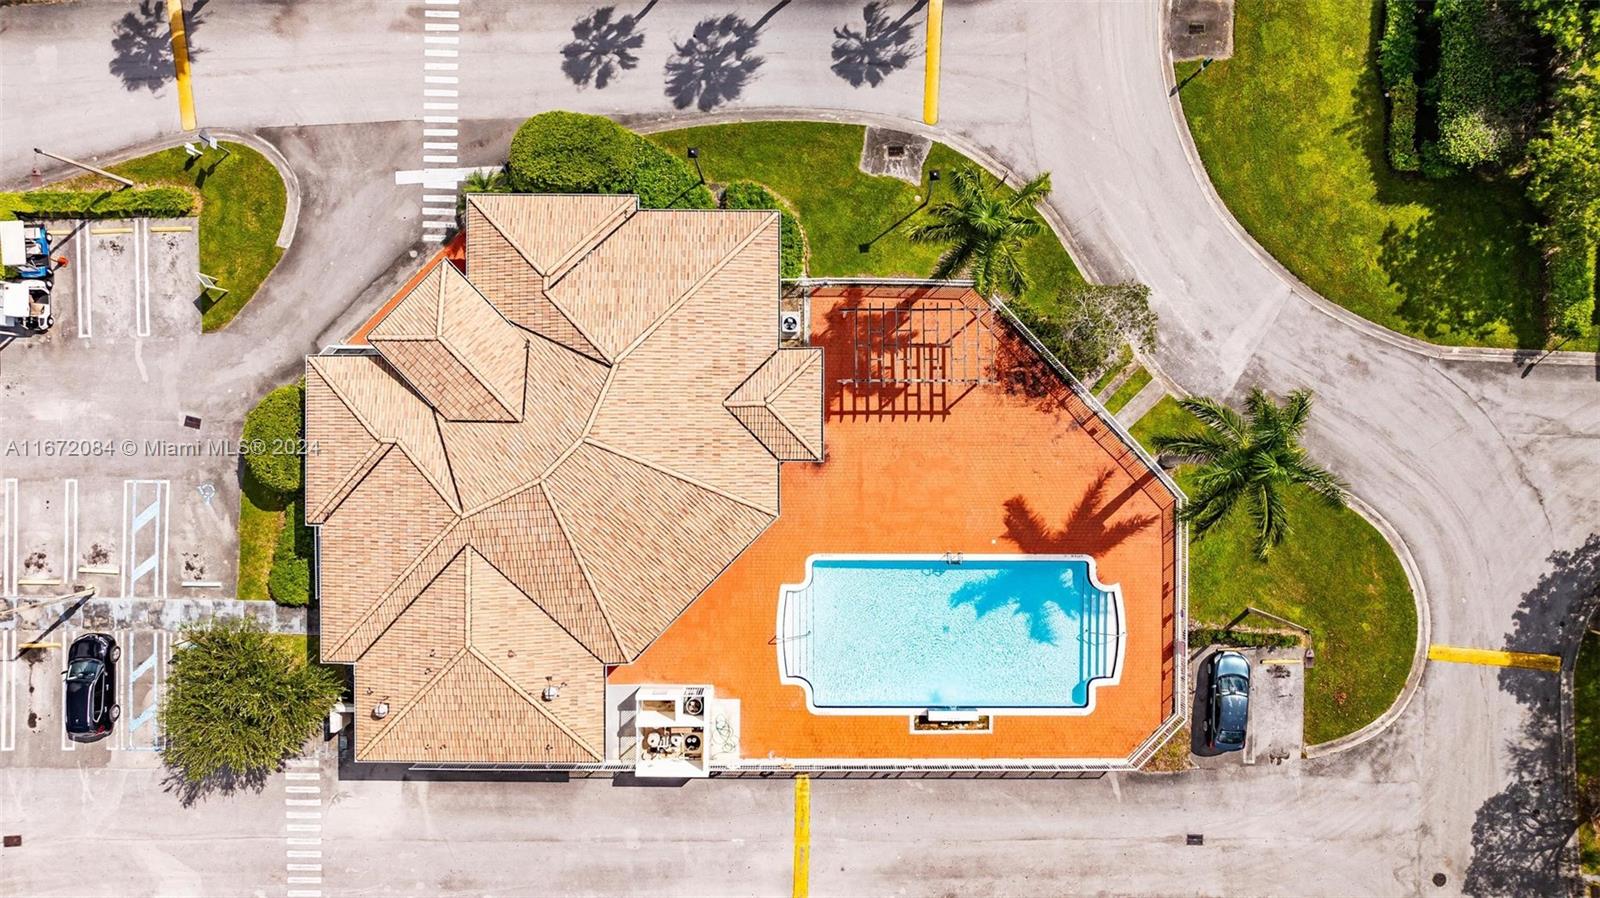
874 634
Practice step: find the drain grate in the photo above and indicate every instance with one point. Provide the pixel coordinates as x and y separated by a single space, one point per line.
1197 28
1195 839
13 841
191 422
895 151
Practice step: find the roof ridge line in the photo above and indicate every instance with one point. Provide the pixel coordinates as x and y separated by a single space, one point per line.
581 250
534 703
444 446
387 727
389 590
477 375
670 310
535 603
670 472
588 579
452 502
544 280
811 353
784 423
355 475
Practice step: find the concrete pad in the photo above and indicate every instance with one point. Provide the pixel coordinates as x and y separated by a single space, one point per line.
1201 29
1276 731
897 154
114 278
172 259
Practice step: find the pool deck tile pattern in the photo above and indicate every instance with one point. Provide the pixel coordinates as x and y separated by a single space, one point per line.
1018 465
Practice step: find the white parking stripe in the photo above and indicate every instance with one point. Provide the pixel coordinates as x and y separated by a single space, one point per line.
440 52
440 67
303 776
305 867
8 690
83 282
69 530
302 790
141 243
146 520
440 132
67 636
441 26
441 14
8 536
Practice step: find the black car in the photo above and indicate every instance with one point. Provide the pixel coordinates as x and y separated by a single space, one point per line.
91 705
1228 705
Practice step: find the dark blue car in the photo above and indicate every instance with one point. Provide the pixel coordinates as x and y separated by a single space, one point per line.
1228 704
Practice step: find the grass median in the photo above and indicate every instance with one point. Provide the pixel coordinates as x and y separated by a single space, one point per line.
1335 573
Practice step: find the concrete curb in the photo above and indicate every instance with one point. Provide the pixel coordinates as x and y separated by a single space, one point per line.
1419 654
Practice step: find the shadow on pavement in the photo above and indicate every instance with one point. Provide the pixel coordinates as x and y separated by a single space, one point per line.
878 50
602 46
143 44
712 66
1520 837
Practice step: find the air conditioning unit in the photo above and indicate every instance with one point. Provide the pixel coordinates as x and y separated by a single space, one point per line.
789 324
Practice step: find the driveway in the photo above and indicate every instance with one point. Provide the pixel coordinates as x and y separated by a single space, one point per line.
1484 473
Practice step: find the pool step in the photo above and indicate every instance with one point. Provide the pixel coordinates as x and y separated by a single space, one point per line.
796 635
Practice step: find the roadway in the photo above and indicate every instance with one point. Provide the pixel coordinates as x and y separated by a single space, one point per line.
1479 470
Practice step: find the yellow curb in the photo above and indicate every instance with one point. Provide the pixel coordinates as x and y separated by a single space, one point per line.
930 72
98 231
802 836
1493 658
1282 661
171 228
180 59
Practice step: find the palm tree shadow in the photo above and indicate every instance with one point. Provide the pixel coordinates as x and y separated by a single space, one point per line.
1094 526
602 46
880 49
713 65
142 44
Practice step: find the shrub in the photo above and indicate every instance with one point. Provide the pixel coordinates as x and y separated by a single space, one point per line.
289 581
792 238
1403 127
1397 49
272 432
567 152
1468 139
151 202
237 704
1253 639
1570 292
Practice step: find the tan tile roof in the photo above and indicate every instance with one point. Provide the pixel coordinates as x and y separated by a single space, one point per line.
780 404
450 344
601 480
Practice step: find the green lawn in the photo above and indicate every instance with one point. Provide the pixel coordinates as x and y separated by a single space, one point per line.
815 165
1335 574
1586 728
1292 133
1129 389
260 520
242 203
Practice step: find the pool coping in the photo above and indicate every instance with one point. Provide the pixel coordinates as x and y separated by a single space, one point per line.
953 559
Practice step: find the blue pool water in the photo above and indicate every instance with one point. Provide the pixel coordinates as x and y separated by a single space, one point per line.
868 633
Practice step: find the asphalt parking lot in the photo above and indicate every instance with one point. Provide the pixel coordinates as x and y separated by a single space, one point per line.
1276 732
106 479
32 696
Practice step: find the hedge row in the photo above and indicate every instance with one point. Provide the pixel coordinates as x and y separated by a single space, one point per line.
150 202
1398 56
1403 127
792 238
1250 639
272 432
289 582
1482 87
1570 296
567 152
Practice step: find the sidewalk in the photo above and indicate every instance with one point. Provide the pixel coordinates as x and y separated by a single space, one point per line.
152 614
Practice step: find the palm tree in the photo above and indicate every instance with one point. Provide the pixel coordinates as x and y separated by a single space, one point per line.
1252 458
986 230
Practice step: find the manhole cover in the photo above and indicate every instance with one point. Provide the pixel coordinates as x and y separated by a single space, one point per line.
1439 879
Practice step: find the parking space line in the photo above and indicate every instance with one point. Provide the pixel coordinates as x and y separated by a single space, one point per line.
8 690
153 667
83 284
68 636
141 291
69 528
8 536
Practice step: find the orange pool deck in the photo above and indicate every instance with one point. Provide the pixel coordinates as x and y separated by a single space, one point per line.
1019 465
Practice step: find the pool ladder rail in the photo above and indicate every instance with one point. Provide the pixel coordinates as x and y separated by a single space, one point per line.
954 558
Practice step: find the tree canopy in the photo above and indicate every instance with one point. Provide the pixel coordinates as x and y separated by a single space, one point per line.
1249 458
985 227
238 703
